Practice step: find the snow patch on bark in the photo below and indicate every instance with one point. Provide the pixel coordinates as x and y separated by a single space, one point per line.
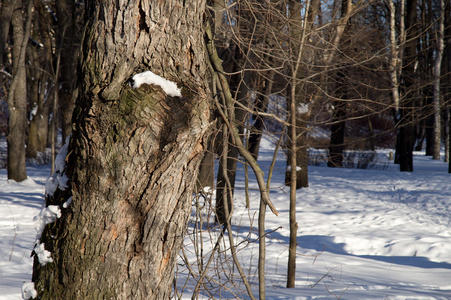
58 179
47 215
67 203
28 290
44 256
147 77
297 168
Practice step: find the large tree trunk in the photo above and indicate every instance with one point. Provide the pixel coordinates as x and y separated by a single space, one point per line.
132 155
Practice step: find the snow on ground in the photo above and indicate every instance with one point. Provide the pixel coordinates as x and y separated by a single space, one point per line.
19 203
363 234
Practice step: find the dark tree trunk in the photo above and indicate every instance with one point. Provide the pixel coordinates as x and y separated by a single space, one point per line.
41 58
429 135
447 78
407 130
301 156
17 96
206 177
132 155
297 31
337 129
239 85
6 13
261 106
67 42
337 134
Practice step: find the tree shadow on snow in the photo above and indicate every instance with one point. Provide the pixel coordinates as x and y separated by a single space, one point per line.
33 200
323 243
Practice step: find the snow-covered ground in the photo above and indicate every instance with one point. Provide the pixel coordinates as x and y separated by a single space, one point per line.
19 203
363 234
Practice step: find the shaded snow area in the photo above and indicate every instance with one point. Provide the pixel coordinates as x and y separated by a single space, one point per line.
363 234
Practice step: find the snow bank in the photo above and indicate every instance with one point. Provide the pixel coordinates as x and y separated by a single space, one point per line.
148 77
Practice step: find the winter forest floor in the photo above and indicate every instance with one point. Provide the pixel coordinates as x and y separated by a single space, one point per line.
363 234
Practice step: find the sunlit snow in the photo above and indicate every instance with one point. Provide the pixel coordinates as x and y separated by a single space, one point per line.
363 234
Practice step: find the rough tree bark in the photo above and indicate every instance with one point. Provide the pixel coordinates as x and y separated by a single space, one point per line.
132 155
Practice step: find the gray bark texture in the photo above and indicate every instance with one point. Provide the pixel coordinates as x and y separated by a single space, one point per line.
132 155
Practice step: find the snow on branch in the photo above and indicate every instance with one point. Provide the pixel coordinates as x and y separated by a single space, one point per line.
147 77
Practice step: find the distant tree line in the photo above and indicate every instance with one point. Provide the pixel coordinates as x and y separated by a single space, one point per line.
362 70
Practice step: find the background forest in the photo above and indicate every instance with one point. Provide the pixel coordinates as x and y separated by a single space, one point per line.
330 81
355 75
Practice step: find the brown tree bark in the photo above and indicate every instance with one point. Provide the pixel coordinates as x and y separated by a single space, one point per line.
17 95
132 156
